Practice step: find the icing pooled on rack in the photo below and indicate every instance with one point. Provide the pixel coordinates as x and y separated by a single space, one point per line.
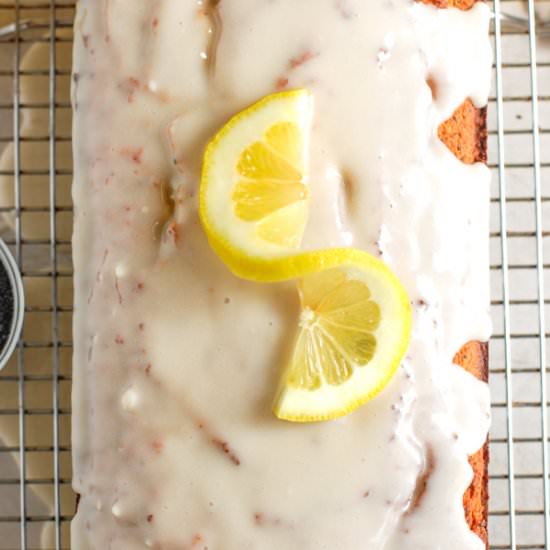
176 360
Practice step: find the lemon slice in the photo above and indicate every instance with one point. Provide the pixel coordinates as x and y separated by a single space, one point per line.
354 329
254 195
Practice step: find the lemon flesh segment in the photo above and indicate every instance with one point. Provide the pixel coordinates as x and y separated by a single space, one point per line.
285 226
354 329
254 197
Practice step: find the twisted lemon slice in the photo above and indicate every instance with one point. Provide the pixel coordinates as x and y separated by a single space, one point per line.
355 321
254 194
354 329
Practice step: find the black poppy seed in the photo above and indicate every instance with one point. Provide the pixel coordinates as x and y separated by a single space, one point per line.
6 306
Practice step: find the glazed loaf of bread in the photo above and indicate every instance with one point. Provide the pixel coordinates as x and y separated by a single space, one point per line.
175 445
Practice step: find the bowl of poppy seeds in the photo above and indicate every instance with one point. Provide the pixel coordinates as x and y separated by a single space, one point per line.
12 304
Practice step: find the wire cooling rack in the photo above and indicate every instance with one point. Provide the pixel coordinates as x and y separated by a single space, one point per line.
520 158
36 503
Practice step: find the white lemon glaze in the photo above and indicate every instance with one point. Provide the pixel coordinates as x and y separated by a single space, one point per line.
177 361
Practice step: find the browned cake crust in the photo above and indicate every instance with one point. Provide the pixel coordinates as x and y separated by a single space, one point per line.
460 4
473 357
465 133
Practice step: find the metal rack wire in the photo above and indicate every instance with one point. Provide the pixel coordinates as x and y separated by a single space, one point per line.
36 503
